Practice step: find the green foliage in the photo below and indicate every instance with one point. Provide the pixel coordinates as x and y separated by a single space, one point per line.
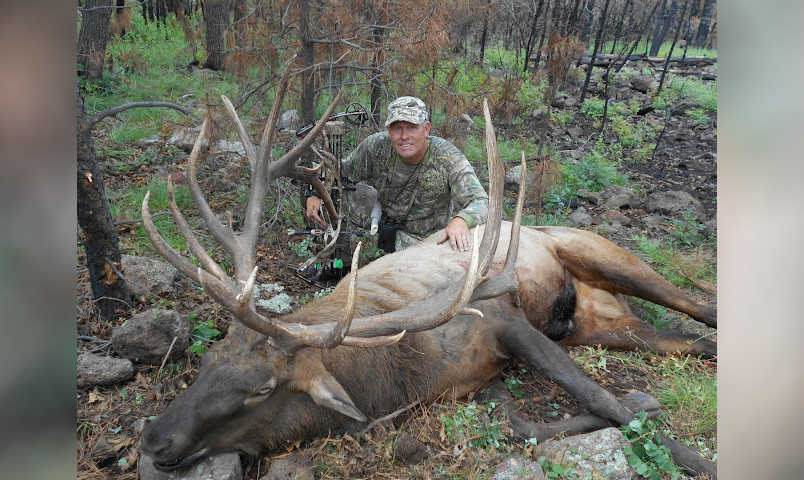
657 315
625 130
646 454
555 470
562 117
594 173
304 247
467 424
201 334
695 90
324 292
498 57
688 391
593 107
128 205
514 385
699 116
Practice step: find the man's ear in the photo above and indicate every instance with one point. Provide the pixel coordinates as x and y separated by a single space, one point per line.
327 392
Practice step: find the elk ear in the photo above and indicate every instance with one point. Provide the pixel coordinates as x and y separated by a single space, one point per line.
327 392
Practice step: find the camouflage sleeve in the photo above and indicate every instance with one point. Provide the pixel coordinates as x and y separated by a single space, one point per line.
470 199
366 162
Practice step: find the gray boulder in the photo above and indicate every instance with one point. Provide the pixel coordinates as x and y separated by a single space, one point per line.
224 466
147 337
148 276
674 203
98 370
600 451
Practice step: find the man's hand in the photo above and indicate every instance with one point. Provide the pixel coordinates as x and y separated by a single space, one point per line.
314 211
457 232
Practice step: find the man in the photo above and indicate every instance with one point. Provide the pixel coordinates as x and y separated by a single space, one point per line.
424 183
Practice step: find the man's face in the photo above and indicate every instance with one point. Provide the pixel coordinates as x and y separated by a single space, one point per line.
409 140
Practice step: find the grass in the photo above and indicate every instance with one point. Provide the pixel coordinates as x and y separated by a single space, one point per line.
128 204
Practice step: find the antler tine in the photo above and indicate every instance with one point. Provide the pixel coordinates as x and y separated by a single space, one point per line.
192 242
251 154
267 135
491 234
285 166
505 281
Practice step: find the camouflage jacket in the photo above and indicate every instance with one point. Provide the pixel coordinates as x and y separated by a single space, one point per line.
426 196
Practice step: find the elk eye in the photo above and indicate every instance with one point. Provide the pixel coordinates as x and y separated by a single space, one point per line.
265 390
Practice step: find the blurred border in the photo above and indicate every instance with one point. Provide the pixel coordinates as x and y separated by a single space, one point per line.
760 256
37 239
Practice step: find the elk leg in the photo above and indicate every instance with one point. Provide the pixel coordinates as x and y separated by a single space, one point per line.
606 319
585 422
598 262
542 354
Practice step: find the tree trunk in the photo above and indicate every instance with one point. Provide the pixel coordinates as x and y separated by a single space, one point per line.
705 23
587 28
101 244
239 21
216 17
93 35
662 27
672 46
483 35
532 36
598 41
308 64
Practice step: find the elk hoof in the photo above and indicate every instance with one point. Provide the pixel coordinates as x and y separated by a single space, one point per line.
638 401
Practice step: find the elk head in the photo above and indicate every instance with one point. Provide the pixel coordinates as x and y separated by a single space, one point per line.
261 383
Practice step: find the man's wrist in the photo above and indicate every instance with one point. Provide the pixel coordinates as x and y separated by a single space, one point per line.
470 222
310 192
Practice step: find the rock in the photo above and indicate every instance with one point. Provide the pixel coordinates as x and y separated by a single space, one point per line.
147 337
295 466
147 142
102 453
588 197
224 466
642 83
410 450
148 276
674 203
616 216
683 107
580 218
518 468
290 120
599 451
558 102
185 137
97 370
653 221
513 177
575 132
537 113
467 122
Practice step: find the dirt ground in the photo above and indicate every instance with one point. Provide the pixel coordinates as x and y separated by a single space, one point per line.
108 419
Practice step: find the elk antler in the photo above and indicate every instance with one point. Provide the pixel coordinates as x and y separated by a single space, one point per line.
235 294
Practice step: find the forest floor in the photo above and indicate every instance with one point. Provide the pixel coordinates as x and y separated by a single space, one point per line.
685 160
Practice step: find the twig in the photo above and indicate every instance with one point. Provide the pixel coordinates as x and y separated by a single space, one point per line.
138 220
390 416
114 269
159 373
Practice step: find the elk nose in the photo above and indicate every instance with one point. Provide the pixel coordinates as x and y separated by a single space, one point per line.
156 445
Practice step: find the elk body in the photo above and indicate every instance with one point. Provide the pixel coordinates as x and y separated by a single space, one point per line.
417 333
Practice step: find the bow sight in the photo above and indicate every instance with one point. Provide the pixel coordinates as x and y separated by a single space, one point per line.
355 114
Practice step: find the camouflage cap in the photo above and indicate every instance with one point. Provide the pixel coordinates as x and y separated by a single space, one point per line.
407 109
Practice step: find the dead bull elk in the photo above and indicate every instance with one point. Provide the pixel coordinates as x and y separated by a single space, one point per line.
434 321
